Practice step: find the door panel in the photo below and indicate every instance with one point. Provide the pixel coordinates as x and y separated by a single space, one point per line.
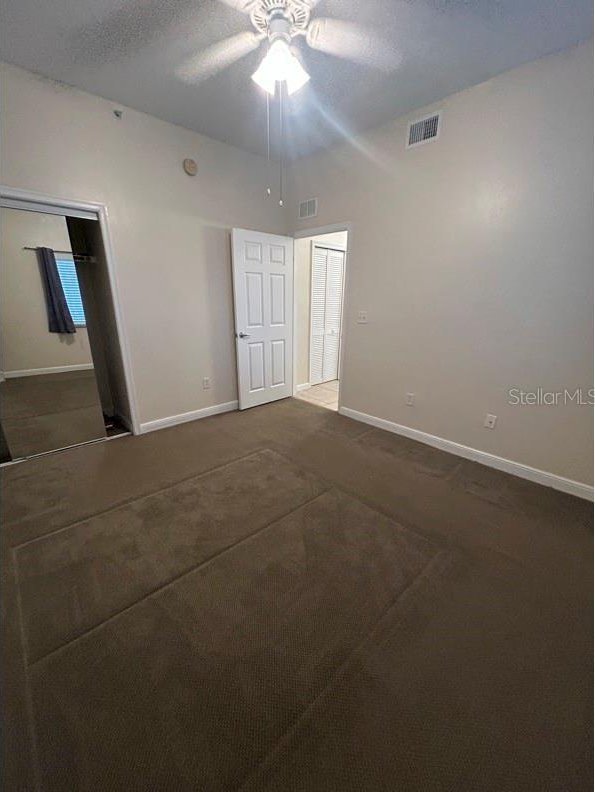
256 366
263 302
317 311
328 266
277 299
332 314
254 300
278 362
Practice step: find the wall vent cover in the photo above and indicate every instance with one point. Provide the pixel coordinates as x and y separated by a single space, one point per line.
423 131
308 208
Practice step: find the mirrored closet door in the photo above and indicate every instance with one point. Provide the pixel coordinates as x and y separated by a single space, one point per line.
49 395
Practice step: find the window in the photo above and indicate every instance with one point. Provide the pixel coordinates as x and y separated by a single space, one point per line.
72 292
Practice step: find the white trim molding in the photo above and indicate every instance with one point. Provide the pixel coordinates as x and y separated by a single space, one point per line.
304 233
193 415
330 228
490 460
50 370
304 386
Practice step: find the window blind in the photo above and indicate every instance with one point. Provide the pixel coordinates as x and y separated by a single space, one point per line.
72 292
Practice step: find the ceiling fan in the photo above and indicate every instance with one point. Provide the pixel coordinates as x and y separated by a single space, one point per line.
279 22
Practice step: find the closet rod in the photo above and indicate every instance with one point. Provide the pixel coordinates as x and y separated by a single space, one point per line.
69 252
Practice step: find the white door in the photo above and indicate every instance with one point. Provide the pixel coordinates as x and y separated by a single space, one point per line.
328 266
263 301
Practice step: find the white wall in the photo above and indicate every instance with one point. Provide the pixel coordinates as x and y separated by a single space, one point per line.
473 257
170 231
27 343
303 288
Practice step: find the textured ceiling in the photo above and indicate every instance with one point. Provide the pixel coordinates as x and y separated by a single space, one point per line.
131 51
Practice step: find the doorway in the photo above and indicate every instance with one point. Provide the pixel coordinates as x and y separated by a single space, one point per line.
320 265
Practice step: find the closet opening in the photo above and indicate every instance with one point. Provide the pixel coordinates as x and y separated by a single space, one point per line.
63 376
320 265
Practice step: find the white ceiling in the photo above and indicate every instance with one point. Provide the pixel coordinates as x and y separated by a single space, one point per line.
130 51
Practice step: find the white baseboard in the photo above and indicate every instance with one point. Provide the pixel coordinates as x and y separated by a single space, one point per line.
193 415
490 460
50 370
303 386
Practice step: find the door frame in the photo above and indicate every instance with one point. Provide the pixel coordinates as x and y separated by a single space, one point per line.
14 198
318 231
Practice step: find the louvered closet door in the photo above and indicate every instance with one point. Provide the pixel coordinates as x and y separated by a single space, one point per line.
327 297
319 258
332 315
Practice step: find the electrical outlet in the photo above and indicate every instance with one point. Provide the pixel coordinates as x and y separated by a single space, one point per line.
362 317
490 421
410 399
206 383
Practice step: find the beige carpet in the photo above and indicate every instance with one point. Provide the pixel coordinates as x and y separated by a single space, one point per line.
285 599
49 411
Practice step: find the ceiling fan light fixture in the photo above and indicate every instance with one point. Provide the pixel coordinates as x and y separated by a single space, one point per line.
280 65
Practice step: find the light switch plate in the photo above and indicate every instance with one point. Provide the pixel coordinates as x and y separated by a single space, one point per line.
362 317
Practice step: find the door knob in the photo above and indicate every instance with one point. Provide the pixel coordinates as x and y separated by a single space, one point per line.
243 335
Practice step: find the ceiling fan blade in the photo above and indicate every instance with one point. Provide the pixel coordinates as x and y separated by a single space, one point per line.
217 57
353 42
243 6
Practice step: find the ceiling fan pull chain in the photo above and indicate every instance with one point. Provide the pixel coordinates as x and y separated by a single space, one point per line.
281 143
268 143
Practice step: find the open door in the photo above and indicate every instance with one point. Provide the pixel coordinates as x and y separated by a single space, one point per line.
263 302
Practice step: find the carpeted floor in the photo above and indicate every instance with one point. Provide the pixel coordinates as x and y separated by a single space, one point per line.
285 599
49 411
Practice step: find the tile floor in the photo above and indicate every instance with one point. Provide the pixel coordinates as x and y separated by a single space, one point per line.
324 395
